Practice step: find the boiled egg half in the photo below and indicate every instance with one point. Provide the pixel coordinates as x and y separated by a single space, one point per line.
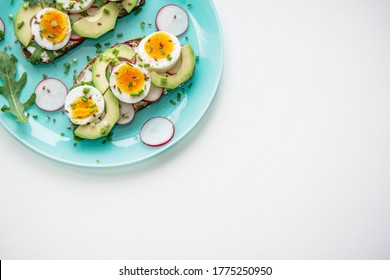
84 104
75 6
130 83
159 51
51 29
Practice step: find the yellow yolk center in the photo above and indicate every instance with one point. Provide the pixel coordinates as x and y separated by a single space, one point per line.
83 108
54 26
129 79
159 46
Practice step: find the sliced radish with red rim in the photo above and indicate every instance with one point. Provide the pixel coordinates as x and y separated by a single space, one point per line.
127 113
87 76
134 60
173 19
154 94
92 11
74 36
157 132
2 25
175 68
50 94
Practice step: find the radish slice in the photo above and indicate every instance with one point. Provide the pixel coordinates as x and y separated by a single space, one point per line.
92 11
157 132
110 68
127 112
50 94
175 68
74 36
87 76
173 19
2 25
94 8
134 60
154 94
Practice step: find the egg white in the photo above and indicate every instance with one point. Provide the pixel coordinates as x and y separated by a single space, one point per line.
76 93
160 65
125 97
42 41
79 6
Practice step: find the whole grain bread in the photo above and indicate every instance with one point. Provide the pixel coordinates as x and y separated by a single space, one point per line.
73 44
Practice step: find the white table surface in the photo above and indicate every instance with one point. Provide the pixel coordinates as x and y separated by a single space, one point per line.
292 161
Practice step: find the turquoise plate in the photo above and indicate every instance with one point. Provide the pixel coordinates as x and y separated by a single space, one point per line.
51 138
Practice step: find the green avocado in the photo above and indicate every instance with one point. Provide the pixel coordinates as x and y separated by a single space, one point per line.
185 72
22 20
100 65
129 5
106 124
103 21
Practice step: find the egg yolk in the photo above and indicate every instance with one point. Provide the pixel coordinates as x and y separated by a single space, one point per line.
159 46
129 79
54 26
83 108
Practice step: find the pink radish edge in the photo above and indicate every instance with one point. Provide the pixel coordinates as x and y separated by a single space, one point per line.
50 94
2 25
166 17
127 113
154 94
157 131
175 68
74 36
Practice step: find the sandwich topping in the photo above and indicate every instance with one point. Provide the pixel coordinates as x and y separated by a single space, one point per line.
51 29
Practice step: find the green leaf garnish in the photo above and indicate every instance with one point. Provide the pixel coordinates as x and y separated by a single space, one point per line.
99 3
41 2
11 88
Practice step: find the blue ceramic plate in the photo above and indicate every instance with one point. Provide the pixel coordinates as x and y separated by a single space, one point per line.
52 138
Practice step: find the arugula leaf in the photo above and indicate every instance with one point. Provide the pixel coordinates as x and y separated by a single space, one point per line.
1 35
11 88
36 56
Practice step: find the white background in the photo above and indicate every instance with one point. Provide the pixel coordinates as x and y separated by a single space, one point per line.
291 161
280 269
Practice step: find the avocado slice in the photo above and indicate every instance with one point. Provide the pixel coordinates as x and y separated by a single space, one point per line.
106 124
22 20
103 21
185 72
100 65
129 5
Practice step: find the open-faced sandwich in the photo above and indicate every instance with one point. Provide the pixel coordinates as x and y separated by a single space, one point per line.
47 29
114 85
124 79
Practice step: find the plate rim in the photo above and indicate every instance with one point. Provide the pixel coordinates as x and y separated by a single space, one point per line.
158 151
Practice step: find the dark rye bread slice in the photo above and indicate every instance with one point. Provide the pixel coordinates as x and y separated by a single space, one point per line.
83 73
73 44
